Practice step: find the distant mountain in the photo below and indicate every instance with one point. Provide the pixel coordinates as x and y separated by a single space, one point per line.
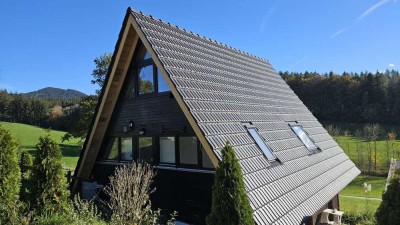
57 93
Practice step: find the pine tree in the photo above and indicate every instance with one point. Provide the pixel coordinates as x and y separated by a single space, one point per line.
10 177
388 212
48 186
230 205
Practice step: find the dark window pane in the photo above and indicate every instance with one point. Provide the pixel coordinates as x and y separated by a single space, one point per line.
167 150
304 137
188 150
111 152
146 149
205 159
126 148
162 85
260 142
146 80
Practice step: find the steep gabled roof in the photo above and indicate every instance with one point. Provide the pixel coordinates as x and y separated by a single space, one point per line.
219 88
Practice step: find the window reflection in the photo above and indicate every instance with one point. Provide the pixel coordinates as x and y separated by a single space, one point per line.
162 85
111 152
188 150
126 149
146 149
146 80
167 150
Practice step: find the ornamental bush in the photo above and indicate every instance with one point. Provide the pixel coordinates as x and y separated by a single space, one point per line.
388 212
48 186
10 177
230 205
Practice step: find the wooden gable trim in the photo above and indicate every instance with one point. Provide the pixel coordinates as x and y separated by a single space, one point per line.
177 96
111 92
131 34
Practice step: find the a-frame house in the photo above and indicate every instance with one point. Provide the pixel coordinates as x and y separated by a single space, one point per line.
173 98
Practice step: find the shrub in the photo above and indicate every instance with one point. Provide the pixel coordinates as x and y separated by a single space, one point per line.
230 205
129 191
48 187
10 177
388 212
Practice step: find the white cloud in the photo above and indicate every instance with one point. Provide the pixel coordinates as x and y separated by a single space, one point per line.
373 8
267 16
299 61
338 32
391 65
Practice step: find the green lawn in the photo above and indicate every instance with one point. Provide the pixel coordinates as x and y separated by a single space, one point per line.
359 150
28 137
356 187
358 206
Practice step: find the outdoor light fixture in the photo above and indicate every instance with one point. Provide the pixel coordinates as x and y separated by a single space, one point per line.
142 131
131 125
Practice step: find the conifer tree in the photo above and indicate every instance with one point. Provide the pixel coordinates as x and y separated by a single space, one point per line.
48 185
388 212
10 177
230 205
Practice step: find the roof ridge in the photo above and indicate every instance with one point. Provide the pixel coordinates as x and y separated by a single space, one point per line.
198 35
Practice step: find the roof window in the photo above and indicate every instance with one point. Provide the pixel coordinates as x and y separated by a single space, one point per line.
261 143
303 136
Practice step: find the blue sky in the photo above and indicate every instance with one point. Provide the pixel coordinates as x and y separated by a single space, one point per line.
53 43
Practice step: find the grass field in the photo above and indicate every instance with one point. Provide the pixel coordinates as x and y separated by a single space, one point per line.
356 187
359 150
28 137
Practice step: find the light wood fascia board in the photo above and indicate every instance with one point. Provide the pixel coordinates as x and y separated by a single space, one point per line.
177 96
128 28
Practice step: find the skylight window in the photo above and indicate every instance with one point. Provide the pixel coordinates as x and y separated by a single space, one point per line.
260 142
304 137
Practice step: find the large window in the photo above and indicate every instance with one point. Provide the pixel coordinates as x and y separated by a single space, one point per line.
111 151
146 80
174 151
188 150
126 149
261 144
205 160
304 137
167 150
145 149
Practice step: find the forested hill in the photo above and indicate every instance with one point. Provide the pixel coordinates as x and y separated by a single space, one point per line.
55 93
355 97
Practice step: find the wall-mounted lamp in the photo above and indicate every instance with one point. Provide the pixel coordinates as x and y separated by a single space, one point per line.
131 125
142 131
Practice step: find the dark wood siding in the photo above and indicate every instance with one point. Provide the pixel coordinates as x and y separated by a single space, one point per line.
188 193
152 112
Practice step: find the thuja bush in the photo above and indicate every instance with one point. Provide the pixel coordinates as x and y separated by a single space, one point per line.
230 205
388 212
10 178
48 186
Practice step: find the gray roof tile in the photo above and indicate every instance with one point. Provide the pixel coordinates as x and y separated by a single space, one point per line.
223 87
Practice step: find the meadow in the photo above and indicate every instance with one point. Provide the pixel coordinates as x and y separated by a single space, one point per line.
28 137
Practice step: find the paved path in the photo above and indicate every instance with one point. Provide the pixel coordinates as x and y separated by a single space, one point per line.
358 197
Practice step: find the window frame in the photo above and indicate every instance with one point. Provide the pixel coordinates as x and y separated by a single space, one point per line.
156 151
312 150
138 63
260 144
